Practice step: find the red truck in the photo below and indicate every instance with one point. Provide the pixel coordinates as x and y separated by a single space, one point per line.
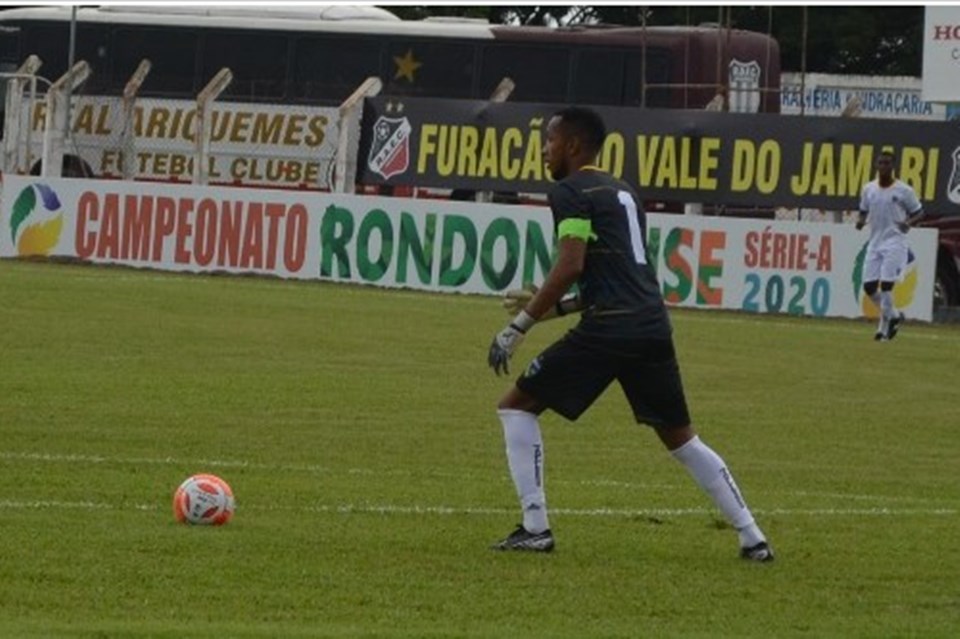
946 290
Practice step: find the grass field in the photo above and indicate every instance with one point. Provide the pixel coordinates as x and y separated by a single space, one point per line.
356 427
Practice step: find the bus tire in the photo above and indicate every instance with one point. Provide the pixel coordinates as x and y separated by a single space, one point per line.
946 287
73 166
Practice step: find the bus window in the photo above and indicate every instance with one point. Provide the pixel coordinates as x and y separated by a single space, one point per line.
328 69
258 62
10 47
51 43
172 53
658 72
429 69
539 72
598 77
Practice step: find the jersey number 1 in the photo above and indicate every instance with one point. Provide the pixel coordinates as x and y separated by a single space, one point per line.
633 221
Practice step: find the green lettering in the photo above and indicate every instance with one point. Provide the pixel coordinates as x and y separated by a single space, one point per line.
678 265
536 251
369 269
336 230
422 250
500 228
457 226
653 247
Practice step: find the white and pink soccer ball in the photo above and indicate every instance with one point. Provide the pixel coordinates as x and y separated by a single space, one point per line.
204 500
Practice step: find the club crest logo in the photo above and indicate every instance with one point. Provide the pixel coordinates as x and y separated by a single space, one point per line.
533 368
36 221
390 148
745 86
953 184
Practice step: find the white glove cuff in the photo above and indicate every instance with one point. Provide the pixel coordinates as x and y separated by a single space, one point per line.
523 322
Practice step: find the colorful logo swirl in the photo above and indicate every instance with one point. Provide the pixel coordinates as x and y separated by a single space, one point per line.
36 230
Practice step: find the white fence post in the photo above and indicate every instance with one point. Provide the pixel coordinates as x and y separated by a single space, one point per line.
56 117
210 93
129 101
500 94
348 136
15 136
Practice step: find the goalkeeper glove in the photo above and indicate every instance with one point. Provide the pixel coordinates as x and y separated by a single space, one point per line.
506 342
515 300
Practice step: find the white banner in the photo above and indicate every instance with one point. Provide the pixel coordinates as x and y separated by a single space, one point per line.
436 245
251 144
941 54
884 97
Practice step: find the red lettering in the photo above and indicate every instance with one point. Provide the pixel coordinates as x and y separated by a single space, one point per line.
252 249
108 244
184 228
87 210
137 218
229 250
205 236
710 266
801 253
779 257
208 232
751 258
825 254
765 248
777 250
163 224
946 32
295 238
274 214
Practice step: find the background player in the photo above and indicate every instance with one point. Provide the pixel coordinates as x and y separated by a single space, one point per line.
890 207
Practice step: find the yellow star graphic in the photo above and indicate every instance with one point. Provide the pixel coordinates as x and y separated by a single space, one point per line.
406 66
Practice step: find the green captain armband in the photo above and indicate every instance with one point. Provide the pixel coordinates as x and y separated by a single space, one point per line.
576 227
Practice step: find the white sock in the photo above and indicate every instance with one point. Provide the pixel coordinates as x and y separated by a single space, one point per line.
886 305
521 431
709 470
882 324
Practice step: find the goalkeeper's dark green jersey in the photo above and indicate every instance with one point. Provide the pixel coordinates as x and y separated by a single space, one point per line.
618 289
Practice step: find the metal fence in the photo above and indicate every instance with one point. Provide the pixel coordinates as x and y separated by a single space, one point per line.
200 141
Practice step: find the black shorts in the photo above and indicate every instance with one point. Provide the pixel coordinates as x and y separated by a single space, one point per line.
570 375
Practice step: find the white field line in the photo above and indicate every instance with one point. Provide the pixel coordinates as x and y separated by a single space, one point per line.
855 327
386 509
392 509
203 464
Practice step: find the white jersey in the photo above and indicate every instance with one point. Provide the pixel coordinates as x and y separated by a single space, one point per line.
886 208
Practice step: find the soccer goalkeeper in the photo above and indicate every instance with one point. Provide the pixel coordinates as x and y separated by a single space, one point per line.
624 334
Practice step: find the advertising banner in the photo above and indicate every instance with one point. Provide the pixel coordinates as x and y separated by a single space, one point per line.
884 97
941 53
251 144
434 245
678 155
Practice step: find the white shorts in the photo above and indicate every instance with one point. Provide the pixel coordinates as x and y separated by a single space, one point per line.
885 262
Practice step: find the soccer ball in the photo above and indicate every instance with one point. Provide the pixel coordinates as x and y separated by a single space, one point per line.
203 499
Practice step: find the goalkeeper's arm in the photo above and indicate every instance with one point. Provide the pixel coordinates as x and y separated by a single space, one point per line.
549 301
516 300
542 304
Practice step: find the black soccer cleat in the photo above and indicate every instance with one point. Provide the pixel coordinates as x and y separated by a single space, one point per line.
894 326
879 337
761 552
521 539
